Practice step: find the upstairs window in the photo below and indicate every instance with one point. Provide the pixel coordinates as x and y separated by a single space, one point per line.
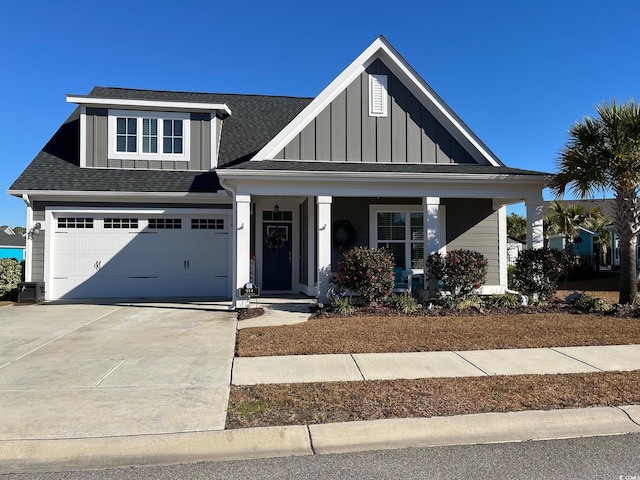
148 135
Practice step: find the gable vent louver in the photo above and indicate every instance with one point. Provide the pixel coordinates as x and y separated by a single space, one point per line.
377 95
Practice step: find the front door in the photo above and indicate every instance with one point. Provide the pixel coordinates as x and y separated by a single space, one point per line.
277 256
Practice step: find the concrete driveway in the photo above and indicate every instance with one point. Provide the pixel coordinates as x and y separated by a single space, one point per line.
96 370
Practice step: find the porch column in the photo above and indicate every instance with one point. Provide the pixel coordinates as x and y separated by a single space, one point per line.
324 245
535 234
243 247
431 214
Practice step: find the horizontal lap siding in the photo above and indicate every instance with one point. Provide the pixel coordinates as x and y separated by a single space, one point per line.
472 224
37 249
344 131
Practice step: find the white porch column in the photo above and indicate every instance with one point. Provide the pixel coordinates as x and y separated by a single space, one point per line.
535 234
242 227
431 214
324 245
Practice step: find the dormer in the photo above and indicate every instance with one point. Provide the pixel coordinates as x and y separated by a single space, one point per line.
125 133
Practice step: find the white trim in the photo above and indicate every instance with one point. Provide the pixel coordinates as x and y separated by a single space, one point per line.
148 104
160 117
83 136
382 49
213 142
152 197
502 246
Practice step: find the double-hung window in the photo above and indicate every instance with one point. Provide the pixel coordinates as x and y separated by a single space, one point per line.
401 230
148 135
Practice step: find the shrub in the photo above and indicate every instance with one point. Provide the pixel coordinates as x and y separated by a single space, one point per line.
342 306
404 304
589 304
10 277
538 271
461 272
507 300
368 272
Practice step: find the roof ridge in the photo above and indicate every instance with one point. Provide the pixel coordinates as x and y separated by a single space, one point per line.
196 93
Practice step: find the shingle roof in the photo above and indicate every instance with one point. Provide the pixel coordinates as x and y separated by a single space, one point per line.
254 121
7 240
289 165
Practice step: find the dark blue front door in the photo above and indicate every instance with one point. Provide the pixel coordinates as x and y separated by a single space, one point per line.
276 256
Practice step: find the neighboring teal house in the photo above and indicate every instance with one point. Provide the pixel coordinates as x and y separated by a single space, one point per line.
12 246
583 246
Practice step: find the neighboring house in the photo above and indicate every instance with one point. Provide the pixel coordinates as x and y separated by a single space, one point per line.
12 246
583 247
614 249
514 247
155 194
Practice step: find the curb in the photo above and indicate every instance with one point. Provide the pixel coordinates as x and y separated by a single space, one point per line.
19 456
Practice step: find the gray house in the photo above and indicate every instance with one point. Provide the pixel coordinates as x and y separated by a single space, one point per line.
154 193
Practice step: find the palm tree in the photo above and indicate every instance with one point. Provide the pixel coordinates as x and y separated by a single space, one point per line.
517 227
566 220
603 153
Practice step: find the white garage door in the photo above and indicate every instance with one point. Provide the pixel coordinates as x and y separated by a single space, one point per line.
129 255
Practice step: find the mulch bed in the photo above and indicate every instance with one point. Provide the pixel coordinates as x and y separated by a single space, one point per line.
301 404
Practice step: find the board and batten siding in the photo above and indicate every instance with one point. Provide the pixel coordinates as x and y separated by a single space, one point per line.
97 145
344 131
472 224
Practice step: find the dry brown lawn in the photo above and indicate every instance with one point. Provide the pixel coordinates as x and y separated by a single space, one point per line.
433 333
300 404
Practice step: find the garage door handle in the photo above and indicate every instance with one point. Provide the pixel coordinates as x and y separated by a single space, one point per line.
186 264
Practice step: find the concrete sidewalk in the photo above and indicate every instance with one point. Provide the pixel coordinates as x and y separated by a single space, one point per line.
388 366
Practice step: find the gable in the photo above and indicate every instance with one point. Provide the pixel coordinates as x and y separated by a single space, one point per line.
346 131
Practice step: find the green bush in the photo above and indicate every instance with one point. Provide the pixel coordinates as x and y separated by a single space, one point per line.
404 303
589 304
342 306
10 277
538 271
461 272
368 272
507 300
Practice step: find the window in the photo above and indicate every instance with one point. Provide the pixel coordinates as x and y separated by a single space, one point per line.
165 223
120 223
75 222
402 232
378 95
207 224
172 138
149 135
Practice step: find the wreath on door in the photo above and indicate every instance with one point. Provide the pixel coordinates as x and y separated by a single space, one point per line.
275 240
344 235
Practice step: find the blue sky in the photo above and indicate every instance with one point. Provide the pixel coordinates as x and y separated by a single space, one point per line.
518 73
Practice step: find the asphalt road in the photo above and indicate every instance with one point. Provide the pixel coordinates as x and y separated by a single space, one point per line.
614 457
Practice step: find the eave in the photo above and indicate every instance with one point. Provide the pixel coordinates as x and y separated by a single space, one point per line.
174 106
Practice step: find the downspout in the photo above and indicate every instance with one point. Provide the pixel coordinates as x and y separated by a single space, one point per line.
234 241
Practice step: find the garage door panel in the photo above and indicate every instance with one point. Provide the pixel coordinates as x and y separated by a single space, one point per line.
109 263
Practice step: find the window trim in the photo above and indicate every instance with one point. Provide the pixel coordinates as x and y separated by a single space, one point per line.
408 210
160 117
